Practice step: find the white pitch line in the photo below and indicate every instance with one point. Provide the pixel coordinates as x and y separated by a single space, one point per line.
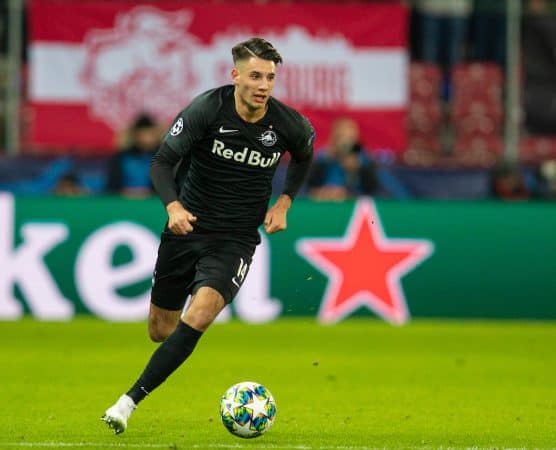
82 444
232 446
348 447
288 447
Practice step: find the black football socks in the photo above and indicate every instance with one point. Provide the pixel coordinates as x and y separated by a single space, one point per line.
166 358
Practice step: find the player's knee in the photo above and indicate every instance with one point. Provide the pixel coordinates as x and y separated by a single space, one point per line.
203 309
157 335
200 320
159 331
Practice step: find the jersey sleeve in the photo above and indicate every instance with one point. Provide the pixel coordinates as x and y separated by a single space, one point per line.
161 174
301 157
189 126
303 146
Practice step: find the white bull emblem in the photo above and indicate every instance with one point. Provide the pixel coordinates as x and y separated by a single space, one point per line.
143 64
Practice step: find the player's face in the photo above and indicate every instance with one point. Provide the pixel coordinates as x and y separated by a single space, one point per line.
254 81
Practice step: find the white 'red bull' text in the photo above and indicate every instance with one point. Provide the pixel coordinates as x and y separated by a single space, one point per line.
246 156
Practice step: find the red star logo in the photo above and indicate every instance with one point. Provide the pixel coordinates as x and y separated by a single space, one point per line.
364 267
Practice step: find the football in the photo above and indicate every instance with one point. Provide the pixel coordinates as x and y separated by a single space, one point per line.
247 409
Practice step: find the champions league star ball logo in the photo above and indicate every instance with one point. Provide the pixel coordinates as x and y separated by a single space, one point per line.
177 128
268 138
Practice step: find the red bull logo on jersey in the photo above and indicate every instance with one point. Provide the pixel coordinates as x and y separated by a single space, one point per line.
246 156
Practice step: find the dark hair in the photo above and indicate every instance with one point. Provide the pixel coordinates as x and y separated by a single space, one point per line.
143 120
258 48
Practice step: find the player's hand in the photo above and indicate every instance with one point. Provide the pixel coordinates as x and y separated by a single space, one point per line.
275 219
180 220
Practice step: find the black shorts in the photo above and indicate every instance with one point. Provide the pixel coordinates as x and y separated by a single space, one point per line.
187 262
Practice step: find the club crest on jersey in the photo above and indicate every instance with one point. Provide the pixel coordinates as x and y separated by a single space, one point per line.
177 128
268 138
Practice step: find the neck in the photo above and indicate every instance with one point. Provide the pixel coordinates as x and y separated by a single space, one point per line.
245 112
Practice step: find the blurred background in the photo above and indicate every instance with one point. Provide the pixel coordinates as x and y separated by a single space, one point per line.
435 118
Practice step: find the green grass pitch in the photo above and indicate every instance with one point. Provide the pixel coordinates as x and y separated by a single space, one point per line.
357 385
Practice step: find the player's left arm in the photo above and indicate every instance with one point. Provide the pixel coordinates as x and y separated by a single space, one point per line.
301 157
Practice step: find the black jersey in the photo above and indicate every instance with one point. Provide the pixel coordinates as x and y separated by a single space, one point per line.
227 164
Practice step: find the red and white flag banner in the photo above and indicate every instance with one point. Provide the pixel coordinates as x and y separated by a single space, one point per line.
95 65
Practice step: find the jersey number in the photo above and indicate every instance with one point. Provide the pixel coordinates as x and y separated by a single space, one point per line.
242 270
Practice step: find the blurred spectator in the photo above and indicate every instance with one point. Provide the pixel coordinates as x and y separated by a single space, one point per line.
343 170
128 170
547 176
442 30
508 183
69 185
539 60
488 31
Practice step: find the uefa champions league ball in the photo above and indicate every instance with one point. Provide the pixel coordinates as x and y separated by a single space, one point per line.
247 409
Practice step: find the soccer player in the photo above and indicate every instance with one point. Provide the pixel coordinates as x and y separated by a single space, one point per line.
213 173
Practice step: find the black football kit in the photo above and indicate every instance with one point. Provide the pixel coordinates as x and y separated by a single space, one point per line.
220 168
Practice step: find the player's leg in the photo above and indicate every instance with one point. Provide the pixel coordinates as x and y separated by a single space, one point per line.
172 281
205 305
220 271
201 312
162 322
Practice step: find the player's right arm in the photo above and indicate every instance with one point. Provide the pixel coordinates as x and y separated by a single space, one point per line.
188 127
180 220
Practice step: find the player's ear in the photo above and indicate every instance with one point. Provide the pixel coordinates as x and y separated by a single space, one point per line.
235 75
